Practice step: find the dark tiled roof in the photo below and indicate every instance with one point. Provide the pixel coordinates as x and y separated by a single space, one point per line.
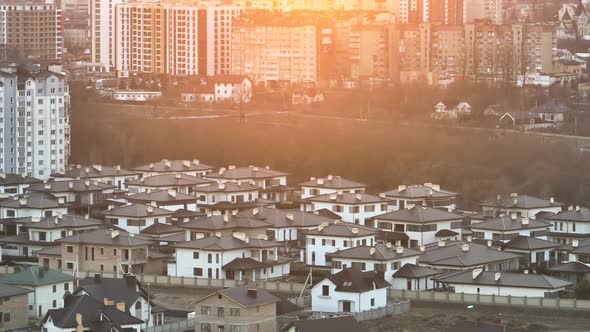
581 215
169 180
34 200
107 237
347 198
333 182
245 298
70 186
507 279
127 289
452 254
572 267
16 179
65 221
136 210
251 172
445 233
218 222
340 324
215 243
381 253
286 218
160 228
419 214
95 171
419 191
552 106
172 166
356 281
161 196
228 187
506 223
392 236
51 251
36 276
415 271
9 290
522 202
530 243
343 229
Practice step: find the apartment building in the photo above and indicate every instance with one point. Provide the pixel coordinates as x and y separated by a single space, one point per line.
491 10
34 122
274 49
102 32
30 30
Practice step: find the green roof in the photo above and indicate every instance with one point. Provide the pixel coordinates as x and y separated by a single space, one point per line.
36 276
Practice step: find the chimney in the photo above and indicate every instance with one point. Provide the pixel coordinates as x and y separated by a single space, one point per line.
333 197
255 211
552 200
290 217
465 247
330 177
121 306
525 221
513 216
178 176
399 250
150 209
441 243
476 273
234 212
196 161
70 184
372 251
401 187
22 202
436 187
570 208
47 186
172 193
578 208
117 167
312 178
225 218
422 248
428 184
252 292
151 166
354 230
114 233
575 243
526 271
469 238
388 245
79 323
358 197
230 167
497 276
186 163
490 243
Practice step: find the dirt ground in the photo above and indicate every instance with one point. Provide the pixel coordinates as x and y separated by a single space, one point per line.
431 317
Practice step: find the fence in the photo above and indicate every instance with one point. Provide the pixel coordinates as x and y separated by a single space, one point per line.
178 326
169 281
391 309
492 300
304 301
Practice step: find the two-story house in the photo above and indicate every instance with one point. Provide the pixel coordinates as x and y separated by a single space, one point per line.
48 287
262 177
15 307
329 238
521 205
330 185
135 217
103 250
208 197
165 199
506 227
236 257
429 194
181 183
421 224
113 175
569 225
225 224
352 208
382 258
35 204
244 308
349 290
80 195
464 255
15 184
165 166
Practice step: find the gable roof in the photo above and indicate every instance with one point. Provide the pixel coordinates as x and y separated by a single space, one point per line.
160 228
522 202
250 172
419 191
411 271
332 182
452 254
136 210
127 289
419 214
347 198
506 223
529 243
244 298
106 237
169 180
36 276
356 281
91 310
172 166
343 229
218 222
338 323
278 218
571 267
581 215
214 243
94 171
381 253
507 279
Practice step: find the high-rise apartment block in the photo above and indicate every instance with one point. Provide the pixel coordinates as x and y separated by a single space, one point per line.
102 32
30 30
34 121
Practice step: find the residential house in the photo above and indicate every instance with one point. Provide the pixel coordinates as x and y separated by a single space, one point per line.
104 250
553 111
165 199
135 217
507 227
113 175
569 225
523 121
460 255
39 233
245 308
441 112
15 184
225 224
349 290
574 272
35 204
48 287
242 195
535 252
159 231
482 282
127 290
336 323
420 223
329 238
414 277
187 167
181 183
262 177
14 307
80 195
228 257
385 259
221 88
330 185
429 194
522 205
352 208
577 250
85 313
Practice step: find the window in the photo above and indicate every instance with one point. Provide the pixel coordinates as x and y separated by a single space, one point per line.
102 251
206 327
369 208
6 317
372 302
66 286
395 265
196 255
359 265
54 288
198 272
574 227
325 290
10 213
205 310
54 303
234 311
220 312
70 249
210 258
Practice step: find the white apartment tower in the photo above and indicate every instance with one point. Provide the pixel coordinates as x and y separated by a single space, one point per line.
34 122
102 32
